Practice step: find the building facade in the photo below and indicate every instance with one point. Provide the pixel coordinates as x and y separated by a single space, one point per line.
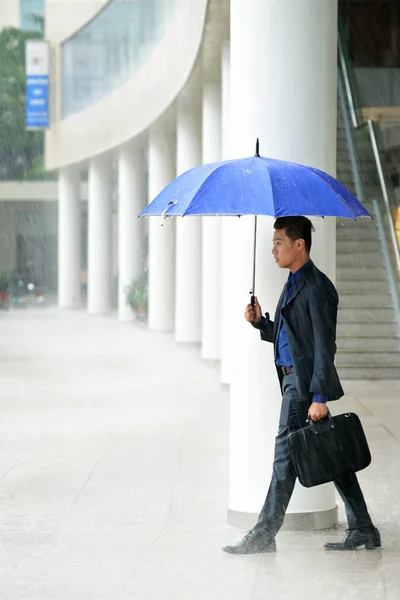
22 14
143 91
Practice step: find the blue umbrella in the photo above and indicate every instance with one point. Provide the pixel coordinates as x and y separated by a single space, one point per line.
255 186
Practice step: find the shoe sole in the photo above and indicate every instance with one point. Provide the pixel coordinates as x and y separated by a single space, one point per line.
368 546
266 551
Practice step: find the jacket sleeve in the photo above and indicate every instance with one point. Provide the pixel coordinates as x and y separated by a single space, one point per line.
323 306
266 328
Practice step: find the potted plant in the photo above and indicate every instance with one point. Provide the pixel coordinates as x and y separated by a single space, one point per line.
137 296
4 286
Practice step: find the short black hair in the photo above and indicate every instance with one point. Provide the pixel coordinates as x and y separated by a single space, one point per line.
296 228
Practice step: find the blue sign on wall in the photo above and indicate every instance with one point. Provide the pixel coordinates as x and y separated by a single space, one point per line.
37 102
37 84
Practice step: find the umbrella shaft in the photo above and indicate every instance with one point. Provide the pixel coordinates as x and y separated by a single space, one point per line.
252 300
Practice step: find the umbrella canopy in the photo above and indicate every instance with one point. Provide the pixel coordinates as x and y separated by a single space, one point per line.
256 186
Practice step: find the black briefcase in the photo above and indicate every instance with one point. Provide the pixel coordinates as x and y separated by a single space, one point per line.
329 449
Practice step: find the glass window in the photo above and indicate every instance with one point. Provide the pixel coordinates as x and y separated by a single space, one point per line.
372 32
32 12
108 50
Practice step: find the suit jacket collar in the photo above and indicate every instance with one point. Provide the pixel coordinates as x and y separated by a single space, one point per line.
305 274
307 271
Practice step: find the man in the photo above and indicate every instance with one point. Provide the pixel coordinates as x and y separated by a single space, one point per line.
304 338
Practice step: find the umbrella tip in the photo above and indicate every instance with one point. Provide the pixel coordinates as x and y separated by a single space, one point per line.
258 147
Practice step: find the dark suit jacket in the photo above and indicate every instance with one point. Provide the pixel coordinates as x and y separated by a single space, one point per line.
310 317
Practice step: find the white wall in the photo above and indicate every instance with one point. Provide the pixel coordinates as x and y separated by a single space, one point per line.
16 191
64 17
9 13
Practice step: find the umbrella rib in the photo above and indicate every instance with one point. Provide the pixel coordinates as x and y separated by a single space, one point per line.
327 182
206 181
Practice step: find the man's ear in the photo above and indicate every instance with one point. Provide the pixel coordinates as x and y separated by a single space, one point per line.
301 244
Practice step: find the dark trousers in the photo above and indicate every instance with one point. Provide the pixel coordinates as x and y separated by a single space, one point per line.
294 416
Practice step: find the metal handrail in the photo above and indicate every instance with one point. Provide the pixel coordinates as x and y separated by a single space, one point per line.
384 192
393 285
350 143
375 149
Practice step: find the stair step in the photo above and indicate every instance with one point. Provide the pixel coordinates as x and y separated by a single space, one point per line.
359 224
374 192
366 315
341 139
341 144
358 234
370 179
345 179
373 189
356 246
352 188
368 329
365 152
367 162
343 170
368 205
370 372
365 165
373 344
371 300
361 273
347 358
348 286
356 224
366 176
368 337
373 260
361 145
362 229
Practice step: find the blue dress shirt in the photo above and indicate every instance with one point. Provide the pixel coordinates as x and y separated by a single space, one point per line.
283 357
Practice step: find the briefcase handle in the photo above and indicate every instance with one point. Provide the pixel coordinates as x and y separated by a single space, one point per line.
313 424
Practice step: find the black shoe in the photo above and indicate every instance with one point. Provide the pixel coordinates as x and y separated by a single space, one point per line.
254 542
355 538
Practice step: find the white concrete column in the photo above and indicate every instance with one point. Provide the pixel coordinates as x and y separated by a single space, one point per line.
211 247
274 98
99 237
69 239
162 161
227 227
132 196
188 234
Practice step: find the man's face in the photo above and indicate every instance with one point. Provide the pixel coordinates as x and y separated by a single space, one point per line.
285 251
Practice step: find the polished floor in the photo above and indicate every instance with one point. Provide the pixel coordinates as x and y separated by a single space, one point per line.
114 475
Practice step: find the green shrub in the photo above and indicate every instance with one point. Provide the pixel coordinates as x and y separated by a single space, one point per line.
137 295
4 281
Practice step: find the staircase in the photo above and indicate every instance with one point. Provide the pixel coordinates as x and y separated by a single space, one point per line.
368 333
